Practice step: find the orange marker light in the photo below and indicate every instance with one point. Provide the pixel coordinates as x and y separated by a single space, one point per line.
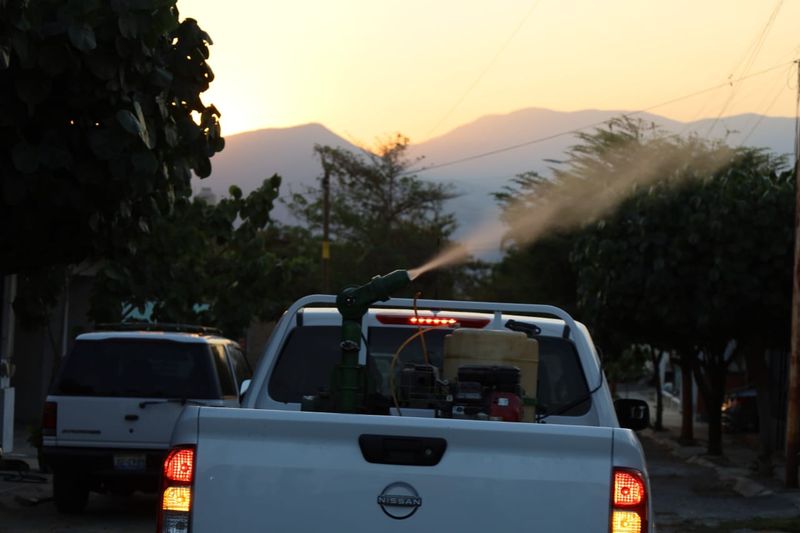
626 522
177 499
628 489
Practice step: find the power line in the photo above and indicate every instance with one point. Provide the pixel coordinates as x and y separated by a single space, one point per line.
599 123
764 114
762 38
486 69
756 49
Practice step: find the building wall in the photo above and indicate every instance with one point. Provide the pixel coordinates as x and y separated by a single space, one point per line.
38 351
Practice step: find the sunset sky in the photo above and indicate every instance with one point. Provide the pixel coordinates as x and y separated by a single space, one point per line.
366 69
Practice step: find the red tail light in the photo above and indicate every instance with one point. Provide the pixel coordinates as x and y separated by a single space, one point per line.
628 502
628 489
179 465
176 490
49 419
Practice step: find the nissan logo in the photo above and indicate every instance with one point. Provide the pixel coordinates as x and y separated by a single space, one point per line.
399 500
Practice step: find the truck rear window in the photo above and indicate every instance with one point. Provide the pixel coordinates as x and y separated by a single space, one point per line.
138 369
308 357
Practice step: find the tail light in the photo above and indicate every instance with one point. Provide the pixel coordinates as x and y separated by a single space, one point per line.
49 419
628 502
176 490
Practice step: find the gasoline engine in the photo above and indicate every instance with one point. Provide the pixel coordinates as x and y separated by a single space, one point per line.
486 375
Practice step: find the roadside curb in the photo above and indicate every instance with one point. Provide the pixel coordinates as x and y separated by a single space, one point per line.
737 477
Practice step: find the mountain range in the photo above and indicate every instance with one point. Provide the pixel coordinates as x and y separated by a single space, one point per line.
524 140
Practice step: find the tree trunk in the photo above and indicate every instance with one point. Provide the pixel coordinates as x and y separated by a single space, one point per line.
687 404
755 358
715 429
659 423
710 375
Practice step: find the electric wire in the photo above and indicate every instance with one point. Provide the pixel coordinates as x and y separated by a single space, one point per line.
582 128
419 327
485 70
395 358
763 115
566 407
733 70
762 38
756 49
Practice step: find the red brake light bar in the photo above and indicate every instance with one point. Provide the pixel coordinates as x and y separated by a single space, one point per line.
432 321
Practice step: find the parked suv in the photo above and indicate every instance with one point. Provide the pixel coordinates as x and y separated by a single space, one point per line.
111 409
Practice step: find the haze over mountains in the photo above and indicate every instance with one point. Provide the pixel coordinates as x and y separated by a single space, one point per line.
250 157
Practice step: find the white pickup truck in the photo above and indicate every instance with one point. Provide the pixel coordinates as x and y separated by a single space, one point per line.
451 460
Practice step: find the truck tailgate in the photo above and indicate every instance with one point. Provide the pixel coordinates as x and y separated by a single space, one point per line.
263 470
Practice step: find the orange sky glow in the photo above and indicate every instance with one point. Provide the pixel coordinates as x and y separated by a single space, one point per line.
366 69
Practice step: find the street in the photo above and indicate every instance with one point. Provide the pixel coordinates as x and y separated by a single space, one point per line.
19 512
690 497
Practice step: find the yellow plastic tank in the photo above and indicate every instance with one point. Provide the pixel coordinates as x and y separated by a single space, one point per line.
495 347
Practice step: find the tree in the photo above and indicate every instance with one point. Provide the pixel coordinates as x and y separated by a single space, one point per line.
694 261
382 216
219 265
101 124
675 243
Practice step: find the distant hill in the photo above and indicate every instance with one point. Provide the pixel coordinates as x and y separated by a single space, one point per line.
250 157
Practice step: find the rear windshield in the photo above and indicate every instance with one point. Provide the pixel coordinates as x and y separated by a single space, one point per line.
308 357
138 369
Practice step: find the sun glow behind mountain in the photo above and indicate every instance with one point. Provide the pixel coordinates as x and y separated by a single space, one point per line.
366 68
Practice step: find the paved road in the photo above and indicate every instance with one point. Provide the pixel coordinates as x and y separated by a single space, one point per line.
688 496
20 512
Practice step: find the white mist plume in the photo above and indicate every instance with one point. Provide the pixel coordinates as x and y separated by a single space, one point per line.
593 185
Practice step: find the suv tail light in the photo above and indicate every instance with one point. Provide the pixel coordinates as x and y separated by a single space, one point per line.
628 501
176 490
49 419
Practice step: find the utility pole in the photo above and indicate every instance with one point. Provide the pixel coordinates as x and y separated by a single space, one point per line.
793 407
326 217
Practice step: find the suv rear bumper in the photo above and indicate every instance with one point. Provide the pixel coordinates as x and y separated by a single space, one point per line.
97 466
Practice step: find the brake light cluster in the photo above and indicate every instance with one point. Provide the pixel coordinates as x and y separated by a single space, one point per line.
432 321
628 502
176 490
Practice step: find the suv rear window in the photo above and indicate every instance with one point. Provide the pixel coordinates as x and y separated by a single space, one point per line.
311 352
138 369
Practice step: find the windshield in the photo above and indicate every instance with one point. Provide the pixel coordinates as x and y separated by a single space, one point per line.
308 357
138 369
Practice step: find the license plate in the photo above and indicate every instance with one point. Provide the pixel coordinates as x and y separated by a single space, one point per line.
129 461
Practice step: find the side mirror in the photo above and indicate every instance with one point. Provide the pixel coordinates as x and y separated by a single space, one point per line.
632 414
243 389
